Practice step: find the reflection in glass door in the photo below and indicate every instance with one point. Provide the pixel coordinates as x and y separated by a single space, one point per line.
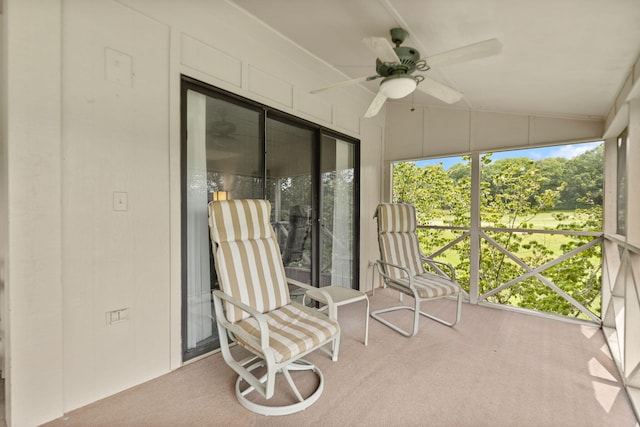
289 189
233 148
338 213
223 161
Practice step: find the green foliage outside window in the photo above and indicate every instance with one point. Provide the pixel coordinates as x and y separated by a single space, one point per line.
516 193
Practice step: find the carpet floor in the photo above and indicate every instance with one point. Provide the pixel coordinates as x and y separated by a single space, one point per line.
495 368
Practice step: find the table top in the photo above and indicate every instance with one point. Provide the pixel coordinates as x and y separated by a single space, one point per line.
339 294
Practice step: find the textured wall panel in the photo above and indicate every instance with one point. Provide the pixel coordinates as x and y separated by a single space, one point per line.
270 87
211 61
404 133
315 107
115 136
347 120
446 132
491 131
550 130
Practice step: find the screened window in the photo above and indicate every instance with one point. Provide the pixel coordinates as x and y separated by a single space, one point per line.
534 242
621 178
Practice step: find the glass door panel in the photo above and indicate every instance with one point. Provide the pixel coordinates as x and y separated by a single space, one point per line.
289 152
234 159
337 204
234 148
223 161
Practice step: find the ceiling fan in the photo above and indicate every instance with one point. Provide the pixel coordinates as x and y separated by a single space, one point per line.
395 66
221 132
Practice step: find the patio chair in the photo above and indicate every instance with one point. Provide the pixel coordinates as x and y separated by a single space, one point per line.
253 308
402 267
299 235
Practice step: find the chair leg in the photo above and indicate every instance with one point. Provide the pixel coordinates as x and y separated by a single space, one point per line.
444 322
376 316
335 348
416 316
287 375
303 403
366 323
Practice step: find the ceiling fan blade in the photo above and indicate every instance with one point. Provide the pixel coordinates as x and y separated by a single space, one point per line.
382 48
346 83
440 91
466 53
375 105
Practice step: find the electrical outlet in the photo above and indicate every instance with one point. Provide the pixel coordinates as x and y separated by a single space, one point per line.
116 316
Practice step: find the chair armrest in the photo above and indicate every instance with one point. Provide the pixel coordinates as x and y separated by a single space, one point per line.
427 260
380 264
261 319
332 309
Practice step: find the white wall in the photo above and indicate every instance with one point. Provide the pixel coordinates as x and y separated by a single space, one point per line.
33 267
430 132
94 107
621 254
4 224
437 132
115 135
370 196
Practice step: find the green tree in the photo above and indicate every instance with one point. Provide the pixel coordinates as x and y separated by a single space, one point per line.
513 192
553 169
584 177
437 198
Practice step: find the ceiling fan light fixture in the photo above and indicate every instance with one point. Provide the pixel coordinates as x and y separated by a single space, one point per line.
396 87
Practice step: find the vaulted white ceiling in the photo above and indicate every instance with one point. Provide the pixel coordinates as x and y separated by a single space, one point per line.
559 57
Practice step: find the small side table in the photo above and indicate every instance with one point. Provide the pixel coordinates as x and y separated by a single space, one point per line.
342 296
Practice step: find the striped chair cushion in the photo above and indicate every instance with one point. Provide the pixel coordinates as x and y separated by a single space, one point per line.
292 331
398 239
234 220
396 218
431 285
247 256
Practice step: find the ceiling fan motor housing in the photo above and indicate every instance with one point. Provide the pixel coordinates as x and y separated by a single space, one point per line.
408 59
398 35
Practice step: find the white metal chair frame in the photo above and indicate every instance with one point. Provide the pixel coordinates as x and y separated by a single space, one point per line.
265 385
264 356
412 291
406 285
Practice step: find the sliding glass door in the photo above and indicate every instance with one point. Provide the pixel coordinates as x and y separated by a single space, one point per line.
289 156
222 160
301 220
234 148
338 207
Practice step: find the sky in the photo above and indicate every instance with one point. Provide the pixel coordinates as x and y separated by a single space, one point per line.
566 151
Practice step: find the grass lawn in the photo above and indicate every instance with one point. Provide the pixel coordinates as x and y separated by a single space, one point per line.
552 242
542 221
